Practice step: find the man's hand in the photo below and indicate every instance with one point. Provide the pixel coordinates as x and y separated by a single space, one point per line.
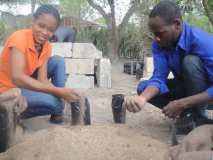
174 108
134 103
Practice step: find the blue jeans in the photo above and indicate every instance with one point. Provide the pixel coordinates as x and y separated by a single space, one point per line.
40 103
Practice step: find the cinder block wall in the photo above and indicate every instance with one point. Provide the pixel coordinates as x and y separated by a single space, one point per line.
84 65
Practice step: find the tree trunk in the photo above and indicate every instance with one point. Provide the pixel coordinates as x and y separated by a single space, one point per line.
33 4
208 11
114 33
113 29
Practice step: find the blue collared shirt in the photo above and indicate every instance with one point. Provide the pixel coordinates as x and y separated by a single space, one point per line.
192 41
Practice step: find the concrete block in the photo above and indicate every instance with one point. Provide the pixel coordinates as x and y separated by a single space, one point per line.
1 49
86 50
80 81
62 49
149 64
79 66
103 73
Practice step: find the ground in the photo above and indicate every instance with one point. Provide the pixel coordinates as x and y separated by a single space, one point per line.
145 136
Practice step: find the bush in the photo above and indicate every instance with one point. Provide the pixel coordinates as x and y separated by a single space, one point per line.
200 21
130 45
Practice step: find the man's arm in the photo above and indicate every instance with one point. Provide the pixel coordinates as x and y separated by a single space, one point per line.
150 92
176 107
196 100
135 103
160 73
154 86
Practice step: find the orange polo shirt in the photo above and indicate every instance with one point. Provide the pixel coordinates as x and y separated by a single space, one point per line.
23 41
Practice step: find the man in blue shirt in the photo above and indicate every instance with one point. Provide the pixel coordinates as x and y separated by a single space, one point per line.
187 52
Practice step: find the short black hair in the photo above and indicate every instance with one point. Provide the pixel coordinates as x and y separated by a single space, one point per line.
167 10
48 9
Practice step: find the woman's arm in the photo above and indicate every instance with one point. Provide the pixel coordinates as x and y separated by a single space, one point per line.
42 74
22 80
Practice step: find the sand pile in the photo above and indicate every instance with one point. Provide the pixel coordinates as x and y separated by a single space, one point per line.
114 142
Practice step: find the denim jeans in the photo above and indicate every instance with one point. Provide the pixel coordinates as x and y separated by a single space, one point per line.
194 80
40 103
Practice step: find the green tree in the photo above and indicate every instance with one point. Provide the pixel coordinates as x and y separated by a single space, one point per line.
73 7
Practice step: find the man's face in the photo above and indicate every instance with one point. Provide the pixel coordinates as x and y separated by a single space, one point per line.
165 35
43 28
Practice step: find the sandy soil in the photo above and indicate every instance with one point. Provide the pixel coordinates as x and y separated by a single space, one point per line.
145 136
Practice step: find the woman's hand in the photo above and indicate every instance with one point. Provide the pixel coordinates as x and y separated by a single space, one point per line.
71 95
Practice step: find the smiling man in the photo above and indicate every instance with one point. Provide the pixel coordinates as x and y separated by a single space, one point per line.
187 52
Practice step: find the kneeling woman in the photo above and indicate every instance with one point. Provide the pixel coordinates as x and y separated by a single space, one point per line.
26 63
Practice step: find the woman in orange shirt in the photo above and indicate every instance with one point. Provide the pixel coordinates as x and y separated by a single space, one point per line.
26 63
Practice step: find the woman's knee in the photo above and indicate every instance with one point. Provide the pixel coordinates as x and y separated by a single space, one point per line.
57 60
53 102
42 99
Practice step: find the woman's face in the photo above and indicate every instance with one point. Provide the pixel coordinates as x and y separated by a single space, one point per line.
43 28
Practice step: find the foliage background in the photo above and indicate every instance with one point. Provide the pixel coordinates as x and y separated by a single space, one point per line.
134 40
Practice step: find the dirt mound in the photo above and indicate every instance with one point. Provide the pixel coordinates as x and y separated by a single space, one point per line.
100 142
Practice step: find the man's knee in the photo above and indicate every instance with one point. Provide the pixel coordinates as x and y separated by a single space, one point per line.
191 63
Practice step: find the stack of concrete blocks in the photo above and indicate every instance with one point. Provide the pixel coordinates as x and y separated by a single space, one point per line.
103 73
83 62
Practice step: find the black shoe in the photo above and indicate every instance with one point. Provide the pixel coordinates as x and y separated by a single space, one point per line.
57 119
26 114
181 128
